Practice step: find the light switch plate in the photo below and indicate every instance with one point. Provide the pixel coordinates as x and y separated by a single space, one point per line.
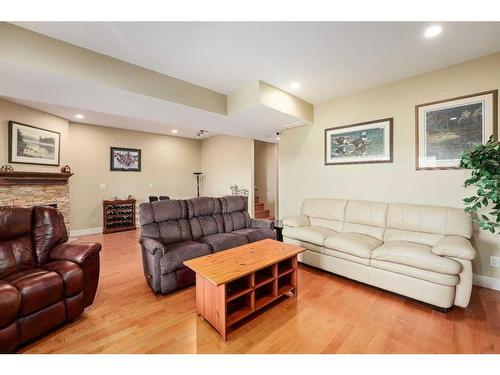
150 184
495 261
102 186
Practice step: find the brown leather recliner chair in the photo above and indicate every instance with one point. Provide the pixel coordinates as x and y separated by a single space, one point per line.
44 281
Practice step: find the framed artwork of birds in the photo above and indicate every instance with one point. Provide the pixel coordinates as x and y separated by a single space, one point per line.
365 142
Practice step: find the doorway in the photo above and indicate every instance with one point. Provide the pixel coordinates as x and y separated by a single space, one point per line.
265 180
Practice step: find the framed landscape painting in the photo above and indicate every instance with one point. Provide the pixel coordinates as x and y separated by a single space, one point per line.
31 145
365 142
125 159
445 129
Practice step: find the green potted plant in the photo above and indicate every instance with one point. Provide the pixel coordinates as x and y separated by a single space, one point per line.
484 161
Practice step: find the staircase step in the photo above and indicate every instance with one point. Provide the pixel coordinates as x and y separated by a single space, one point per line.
261 214
259 206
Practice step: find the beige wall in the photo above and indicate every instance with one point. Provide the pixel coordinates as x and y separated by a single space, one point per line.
226 161
280 100
29 116
265 172
168 164
302 172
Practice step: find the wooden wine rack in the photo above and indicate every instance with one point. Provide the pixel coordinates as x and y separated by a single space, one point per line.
118 215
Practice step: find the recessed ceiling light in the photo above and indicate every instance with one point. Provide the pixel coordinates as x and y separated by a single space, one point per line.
175 131
79 116
295 85
433 31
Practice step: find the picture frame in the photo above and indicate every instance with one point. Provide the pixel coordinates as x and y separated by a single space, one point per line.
29 144
360 143
125 159
445 129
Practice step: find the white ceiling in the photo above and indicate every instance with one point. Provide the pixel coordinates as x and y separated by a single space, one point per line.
329 59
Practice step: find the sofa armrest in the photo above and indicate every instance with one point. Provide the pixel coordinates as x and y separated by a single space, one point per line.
262 223
455 246
152 246
296 221
77 252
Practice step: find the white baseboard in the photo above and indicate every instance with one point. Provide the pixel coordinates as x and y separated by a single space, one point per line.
487 282
84 232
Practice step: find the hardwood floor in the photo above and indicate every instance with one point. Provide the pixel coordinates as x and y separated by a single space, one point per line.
331 315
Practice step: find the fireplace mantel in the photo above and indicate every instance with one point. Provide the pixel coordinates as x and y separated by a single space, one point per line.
33 178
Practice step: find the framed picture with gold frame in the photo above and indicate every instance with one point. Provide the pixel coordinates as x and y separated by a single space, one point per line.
445 129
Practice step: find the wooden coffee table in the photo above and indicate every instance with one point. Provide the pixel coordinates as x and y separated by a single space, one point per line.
232 284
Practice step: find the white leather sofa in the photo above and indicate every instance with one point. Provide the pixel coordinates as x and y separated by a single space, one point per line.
423 252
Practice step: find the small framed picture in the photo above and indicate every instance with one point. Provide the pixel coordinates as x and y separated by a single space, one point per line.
125 159
445 129
365 142
31 145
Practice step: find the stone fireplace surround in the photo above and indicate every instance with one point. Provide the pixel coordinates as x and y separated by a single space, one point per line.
36 189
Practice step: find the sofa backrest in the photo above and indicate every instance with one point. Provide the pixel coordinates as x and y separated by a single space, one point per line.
366 218
205 216
15 239
166 221
48 231
425 224
234 213
27 235
328 213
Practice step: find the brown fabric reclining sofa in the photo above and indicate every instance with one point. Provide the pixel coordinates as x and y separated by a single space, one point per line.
174 231
44 281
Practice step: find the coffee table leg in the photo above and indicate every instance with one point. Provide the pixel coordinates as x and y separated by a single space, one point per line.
295 290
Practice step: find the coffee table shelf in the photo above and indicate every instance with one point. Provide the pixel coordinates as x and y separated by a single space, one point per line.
238 294
239 308
233 284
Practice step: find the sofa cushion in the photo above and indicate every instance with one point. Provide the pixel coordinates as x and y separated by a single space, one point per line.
454 246
236 220
433 277
296 221
347 256
415 255
256 234
49 230
70 272
206 225
223 241
202 206
234 203
177 253
366 218
174 231
306 245
429 219
328 213
39 288
10 302
15 222
356 244
168 210
314 235
429 239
